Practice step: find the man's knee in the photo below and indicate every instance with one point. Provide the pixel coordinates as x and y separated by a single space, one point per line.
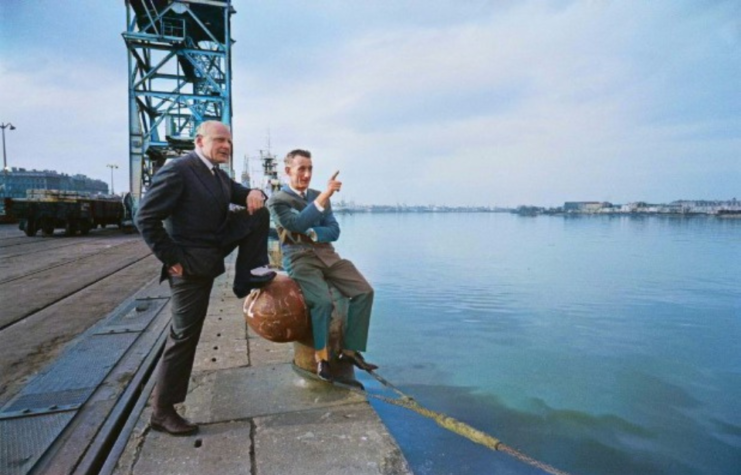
182 333
321 305
242 215
258 220
244 227
263 217
365 294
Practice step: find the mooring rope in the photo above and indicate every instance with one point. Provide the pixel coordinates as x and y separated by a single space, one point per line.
449 423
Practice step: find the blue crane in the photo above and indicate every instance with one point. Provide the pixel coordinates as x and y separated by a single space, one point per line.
179 56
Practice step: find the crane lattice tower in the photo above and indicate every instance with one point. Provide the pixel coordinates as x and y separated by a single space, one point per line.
179 54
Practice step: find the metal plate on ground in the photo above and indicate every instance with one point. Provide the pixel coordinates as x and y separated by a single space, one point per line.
82 367
45 402
32 421
134 317
24 440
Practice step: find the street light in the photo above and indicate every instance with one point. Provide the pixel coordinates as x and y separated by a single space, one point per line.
5 160
112 166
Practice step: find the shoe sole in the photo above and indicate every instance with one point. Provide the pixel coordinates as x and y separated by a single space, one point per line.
159 428
367 367
358 364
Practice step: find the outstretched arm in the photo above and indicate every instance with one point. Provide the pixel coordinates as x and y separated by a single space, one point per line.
289 217
333 185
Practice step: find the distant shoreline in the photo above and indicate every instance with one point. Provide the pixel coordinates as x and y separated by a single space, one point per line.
371 210
725 208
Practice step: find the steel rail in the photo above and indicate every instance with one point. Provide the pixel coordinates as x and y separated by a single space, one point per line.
21 318
71 260
103 453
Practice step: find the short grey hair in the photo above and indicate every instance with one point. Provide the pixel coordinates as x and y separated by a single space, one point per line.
204 127
296 153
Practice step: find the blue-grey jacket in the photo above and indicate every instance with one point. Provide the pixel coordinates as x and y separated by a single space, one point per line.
298 215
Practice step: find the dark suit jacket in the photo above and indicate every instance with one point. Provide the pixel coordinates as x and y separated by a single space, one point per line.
194 205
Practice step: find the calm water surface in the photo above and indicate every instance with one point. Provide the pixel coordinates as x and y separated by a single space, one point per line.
599 345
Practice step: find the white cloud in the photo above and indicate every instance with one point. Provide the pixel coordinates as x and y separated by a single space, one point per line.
474 102
567 101
70 117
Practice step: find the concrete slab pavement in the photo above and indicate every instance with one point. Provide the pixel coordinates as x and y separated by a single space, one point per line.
259 417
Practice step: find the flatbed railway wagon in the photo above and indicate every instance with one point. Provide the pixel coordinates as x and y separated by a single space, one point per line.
107 211
6 211
47 210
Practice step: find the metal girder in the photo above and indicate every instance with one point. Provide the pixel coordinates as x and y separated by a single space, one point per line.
179 54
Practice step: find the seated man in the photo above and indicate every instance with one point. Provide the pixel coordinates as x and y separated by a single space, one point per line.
307 227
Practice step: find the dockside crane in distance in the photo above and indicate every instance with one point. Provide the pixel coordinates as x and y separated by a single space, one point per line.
179 75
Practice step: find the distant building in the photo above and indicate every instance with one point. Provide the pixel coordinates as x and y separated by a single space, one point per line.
709 206
15 182
585 206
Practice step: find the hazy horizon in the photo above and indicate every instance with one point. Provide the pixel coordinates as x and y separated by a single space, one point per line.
462 103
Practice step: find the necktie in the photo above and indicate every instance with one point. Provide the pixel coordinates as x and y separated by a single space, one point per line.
218 180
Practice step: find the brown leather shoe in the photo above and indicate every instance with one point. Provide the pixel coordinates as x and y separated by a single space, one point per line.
171 422
357 359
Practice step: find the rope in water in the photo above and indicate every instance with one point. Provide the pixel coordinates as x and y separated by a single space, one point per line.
451 424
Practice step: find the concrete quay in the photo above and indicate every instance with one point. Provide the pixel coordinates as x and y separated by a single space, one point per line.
257 416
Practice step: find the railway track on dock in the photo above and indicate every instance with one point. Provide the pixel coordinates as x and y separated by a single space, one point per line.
40 279
52 289
11 270
82 324
11 247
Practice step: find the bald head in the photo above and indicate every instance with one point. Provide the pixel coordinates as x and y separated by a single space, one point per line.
214 140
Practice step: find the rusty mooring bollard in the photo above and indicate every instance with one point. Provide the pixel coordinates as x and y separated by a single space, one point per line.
278 313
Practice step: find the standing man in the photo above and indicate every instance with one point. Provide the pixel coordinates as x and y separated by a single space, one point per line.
192 196
307 227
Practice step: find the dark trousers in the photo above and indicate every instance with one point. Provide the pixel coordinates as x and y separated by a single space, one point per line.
189 304
250 234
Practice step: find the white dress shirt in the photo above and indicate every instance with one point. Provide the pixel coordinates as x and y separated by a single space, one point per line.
206 161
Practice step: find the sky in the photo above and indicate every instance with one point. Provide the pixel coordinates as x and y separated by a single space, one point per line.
446 102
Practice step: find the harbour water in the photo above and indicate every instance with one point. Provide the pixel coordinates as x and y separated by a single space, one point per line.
599 345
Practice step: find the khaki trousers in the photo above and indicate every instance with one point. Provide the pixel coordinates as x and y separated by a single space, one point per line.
313 273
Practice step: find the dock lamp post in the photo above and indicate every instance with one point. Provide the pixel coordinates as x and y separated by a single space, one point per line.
112 166
5 159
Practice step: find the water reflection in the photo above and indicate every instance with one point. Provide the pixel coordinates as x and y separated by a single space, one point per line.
597 344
